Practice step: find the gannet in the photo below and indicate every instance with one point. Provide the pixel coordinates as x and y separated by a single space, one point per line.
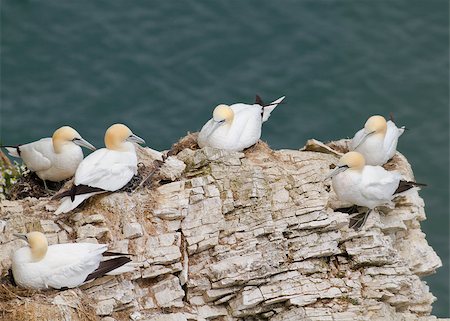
54 159
39 266
365 185
236 127
105 170
377 141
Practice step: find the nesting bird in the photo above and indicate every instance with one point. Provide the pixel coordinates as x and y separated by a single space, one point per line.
365 185
237 126
105 170
40 266
54 159
377 141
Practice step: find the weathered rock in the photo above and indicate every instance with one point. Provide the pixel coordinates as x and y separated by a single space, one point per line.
132 230
234 236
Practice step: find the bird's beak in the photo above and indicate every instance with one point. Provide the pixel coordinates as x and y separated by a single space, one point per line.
215 126
21 236
364 139
84 143
337 170
135 139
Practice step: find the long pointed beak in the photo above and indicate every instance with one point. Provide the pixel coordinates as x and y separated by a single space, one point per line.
215 126
337 170
21 236
135 139
84 143
364 139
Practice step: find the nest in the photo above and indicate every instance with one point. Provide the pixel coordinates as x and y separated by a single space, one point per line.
188 141
30 185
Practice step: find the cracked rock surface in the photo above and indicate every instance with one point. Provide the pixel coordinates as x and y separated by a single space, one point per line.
234 236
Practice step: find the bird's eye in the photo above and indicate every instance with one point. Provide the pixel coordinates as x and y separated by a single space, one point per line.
75 139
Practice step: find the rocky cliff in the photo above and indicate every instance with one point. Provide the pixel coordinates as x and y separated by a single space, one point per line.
232 236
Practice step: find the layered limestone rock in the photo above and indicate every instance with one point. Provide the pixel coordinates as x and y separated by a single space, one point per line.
233 236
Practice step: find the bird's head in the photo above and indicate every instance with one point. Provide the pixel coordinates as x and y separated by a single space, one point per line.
37 243
223 114
350 160
118 137
375 125
67 135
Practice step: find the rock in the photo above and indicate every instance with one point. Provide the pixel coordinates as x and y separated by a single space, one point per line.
169 317
132 230
49 226
105 307
172 168
91 231
168 293
236 236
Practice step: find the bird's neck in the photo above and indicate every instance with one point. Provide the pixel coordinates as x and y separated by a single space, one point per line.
38 252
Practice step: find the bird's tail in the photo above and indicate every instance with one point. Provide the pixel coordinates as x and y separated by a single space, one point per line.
14 151
110 267
403 186
67 204
267 109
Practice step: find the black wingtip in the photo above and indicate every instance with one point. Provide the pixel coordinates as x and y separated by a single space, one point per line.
108 266
17 147
403 186
259 101
391 117
77 190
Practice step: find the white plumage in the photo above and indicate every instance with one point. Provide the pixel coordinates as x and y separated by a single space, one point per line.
377 141
373 186
107 169
235 127
54 159
39 266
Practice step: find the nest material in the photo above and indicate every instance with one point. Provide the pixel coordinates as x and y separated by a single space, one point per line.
188 141
30 185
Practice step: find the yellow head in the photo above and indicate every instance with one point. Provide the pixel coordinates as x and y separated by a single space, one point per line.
353 160
38 244
223 113
375 124
62 136
117 135
67 135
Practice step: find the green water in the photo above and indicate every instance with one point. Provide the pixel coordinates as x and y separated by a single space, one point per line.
161 67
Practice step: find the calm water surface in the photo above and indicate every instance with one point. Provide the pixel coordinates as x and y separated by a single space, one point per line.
161 67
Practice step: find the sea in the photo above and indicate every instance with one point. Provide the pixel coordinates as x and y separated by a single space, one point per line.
162 66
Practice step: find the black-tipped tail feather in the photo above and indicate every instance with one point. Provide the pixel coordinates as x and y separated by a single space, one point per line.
108 266
77 190
12 150
405 185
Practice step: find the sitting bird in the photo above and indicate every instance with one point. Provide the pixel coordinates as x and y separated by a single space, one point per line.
54 159
377 141
236 127
105 170
365 185
40 266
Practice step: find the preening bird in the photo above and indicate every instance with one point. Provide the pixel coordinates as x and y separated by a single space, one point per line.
365 185
377 141
40 266
105 170
54 159
237 126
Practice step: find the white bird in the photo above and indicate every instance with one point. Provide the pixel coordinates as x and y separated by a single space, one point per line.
377 141
236 127
39 266
54 159
105 170
365 185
